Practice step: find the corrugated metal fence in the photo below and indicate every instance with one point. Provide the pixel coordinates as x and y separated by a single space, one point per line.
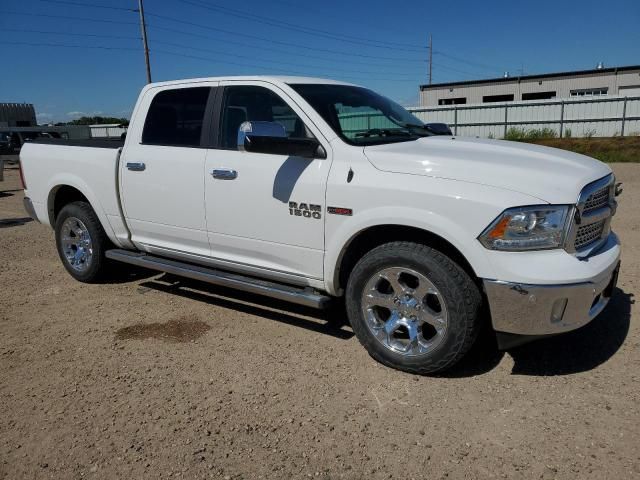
106 131
599 117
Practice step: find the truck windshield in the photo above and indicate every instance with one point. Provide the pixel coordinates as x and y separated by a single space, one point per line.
360 116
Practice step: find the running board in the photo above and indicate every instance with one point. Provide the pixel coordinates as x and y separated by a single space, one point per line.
287 293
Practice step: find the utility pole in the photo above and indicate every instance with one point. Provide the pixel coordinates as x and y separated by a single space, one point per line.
143 27
430 57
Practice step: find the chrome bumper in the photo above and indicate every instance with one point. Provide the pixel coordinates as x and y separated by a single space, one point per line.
548 309
28 206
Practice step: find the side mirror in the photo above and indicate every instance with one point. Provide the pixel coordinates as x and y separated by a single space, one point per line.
271 138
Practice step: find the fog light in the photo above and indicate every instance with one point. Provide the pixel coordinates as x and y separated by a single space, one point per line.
557 312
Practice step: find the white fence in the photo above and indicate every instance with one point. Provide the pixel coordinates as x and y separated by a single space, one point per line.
600 117
106 131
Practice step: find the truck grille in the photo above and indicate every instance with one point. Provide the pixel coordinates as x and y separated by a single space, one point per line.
589 234
597 199
596 205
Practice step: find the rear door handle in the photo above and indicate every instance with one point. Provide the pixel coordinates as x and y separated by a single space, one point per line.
224 174
136 166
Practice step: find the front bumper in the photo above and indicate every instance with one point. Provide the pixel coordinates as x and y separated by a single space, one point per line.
535 310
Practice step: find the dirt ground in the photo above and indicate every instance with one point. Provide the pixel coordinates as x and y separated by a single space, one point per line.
148 376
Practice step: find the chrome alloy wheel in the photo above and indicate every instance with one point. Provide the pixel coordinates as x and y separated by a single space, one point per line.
76 244
404 311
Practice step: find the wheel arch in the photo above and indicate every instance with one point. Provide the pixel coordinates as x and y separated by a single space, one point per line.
63 193
373 236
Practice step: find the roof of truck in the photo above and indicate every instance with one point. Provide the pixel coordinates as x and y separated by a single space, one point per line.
266 78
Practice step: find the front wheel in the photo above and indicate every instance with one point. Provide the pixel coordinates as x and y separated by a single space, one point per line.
412 307
81 242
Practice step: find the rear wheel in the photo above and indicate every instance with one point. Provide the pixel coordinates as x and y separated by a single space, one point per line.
412 307
81 242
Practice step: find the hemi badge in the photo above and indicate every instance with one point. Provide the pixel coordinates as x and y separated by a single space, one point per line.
340 211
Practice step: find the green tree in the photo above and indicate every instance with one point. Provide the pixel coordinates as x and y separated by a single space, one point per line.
99 121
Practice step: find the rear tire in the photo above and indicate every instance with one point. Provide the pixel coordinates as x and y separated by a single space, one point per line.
81 242
412 307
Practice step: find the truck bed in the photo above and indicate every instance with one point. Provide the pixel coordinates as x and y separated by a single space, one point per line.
90 167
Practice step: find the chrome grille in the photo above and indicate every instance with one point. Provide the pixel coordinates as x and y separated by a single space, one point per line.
592 217
598 199
589 234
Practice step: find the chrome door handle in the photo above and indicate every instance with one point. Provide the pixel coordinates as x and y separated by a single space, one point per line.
224 174
136 166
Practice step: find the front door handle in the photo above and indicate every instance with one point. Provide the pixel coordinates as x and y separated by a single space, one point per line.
224 174
136 166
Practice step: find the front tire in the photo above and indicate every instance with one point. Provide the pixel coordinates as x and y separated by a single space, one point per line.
81 242
412 307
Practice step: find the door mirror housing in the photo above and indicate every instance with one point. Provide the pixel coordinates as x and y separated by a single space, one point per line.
271 138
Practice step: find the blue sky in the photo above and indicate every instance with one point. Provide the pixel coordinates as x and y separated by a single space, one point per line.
97 67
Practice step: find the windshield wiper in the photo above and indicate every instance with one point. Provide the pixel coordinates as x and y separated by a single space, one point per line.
384 132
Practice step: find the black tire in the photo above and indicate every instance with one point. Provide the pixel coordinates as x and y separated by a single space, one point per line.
461 296
95 269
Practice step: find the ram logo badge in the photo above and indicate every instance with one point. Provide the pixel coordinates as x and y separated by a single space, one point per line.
307 210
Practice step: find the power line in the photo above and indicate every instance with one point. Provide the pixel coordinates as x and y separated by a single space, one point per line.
271 49
468 62
439 66
269 40
305 30
65 45
49 32
262 39
66 17
339 15
208 59
78 4
268 68
296 64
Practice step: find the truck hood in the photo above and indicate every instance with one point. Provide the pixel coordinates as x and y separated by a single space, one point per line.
549 174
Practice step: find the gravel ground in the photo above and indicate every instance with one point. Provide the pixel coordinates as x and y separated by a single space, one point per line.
147 376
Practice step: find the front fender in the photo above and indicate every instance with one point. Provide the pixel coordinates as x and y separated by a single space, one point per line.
430 222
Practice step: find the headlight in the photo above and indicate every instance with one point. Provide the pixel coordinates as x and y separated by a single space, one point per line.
527 228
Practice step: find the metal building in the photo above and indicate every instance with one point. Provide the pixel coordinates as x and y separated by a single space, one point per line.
17 115
623 81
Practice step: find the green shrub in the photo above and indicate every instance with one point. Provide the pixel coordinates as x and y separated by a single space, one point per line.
522 135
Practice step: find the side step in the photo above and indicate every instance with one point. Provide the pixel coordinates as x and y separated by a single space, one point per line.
287 293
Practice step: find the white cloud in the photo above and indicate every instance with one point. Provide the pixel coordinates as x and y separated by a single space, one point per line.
76 114
43 117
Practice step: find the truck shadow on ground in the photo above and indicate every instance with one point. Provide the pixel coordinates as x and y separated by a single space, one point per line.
326 322
578 351
124 273
14 222
581 350
573 352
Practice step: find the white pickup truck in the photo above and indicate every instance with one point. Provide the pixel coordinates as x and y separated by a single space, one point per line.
305 189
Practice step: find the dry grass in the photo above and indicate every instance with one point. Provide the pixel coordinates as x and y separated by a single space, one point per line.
613 149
